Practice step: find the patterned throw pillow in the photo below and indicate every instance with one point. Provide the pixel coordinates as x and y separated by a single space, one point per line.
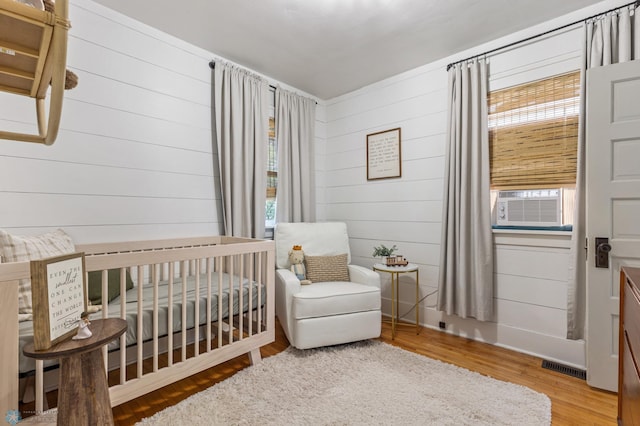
327 268
19 248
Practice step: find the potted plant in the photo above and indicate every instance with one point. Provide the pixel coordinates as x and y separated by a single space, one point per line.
383 251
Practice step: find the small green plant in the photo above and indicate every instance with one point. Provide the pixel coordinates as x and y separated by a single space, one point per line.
383 251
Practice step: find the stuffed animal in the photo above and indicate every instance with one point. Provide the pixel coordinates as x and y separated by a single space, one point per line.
296 259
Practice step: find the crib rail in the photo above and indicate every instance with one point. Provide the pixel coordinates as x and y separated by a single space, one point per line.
191 330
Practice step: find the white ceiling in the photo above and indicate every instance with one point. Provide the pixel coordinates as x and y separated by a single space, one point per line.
330 47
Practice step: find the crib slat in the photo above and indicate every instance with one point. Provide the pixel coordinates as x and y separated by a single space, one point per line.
184 310
155 316
259 286
230 314
196 311
123 315
140 324
250 304
123 292
240 298
104 291
208 270
40 386
219 267
170 315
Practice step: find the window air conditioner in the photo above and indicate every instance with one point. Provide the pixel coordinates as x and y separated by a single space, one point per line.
539 207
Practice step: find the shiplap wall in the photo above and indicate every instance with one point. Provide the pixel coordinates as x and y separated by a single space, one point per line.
531 269
134 158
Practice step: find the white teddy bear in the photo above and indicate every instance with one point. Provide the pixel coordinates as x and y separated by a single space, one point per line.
296 259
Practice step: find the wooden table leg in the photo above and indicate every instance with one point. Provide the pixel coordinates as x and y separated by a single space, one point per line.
83 397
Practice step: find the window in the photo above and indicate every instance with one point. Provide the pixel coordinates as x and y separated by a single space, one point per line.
533 137
272 166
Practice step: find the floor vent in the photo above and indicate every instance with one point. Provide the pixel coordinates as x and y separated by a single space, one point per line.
570 371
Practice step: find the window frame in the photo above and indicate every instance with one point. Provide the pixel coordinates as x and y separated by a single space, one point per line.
567 99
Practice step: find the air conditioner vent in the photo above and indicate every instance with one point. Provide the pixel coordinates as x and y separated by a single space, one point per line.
529 208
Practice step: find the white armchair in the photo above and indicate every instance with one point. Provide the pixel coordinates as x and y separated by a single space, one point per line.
324 313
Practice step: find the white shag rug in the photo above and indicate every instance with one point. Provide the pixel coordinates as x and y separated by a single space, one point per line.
362 383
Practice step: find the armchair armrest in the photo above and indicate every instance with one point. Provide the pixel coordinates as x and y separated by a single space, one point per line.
288 281
287 284
361 275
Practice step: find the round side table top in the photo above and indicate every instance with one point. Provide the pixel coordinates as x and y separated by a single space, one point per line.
104 331
411 267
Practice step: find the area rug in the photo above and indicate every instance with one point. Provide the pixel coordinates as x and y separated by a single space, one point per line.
364 383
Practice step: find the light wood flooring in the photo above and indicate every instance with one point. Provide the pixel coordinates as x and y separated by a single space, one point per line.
573 401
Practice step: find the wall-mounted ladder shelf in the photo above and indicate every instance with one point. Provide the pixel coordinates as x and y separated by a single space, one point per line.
33 55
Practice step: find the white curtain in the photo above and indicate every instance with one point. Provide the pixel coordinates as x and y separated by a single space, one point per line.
609 39
466 252
241 118
295 134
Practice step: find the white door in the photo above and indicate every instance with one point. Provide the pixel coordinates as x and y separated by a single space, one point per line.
613 207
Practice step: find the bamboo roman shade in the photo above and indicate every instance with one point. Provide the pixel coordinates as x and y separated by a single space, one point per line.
272 164
533 133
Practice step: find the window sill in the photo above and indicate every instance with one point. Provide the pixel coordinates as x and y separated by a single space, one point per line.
268 232
541 238
546 230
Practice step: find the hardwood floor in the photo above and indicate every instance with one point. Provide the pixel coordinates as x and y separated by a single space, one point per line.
573 401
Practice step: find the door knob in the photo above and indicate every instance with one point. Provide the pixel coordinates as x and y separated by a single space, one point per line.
604 248
602 252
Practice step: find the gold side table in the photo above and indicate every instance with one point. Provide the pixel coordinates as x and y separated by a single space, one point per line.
395 272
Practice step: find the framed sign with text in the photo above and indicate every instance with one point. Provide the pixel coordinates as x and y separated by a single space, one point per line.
58 294
384 157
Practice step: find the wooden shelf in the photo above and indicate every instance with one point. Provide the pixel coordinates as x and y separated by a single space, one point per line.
33 56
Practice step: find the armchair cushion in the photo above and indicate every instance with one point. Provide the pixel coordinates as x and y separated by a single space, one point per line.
316 239
334 298
327 268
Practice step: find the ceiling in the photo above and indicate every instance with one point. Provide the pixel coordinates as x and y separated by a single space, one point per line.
330 47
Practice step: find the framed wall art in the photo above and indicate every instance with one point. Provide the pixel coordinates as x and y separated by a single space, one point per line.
384 155
58 292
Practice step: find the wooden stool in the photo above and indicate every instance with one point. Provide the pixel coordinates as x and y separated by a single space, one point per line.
83 394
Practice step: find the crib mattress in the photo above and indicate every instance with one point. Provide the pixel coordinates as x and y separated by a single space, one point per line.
27 364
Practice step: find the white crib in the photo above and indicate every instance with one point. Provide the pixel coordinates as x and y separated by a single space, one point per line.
201 301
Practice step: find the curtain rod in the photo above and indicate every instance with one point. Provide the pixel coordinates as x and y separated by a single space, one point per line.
212 65
488 52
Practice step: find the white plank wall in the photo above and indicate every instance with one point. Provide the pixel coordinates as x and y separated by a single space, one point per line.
134 158
531 271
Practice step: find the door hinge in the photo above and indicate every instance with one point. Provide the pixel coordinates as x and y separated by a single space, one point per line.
586 247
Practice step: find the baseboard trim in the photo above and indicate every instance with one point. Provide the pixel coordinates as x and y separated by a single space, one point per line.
556 349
